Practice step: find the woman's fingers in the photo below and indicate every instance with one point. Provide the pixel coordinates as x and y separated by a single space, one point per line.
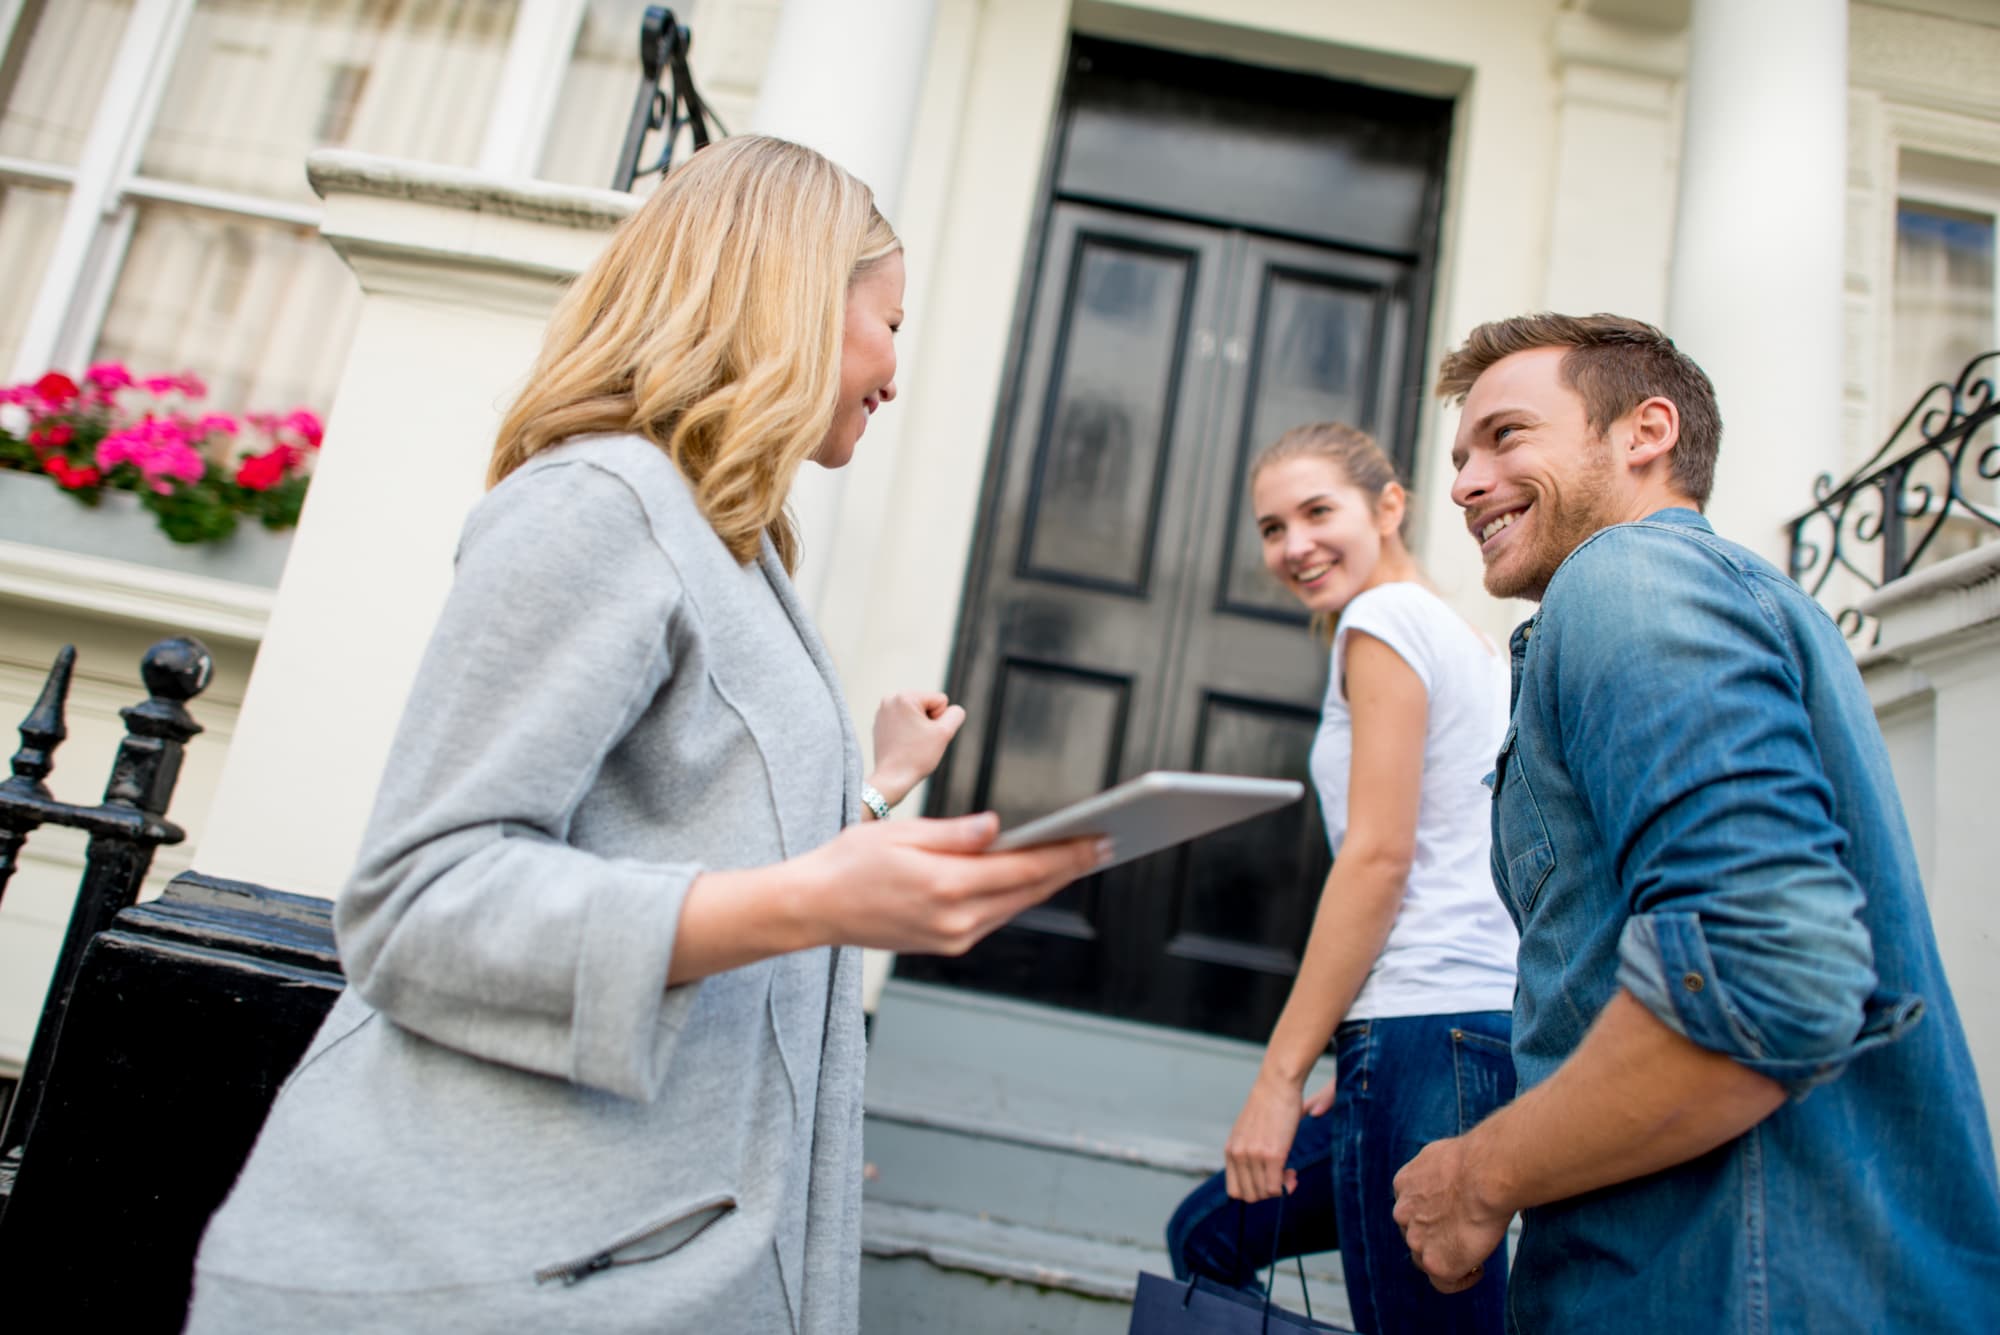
951 834
1321 1100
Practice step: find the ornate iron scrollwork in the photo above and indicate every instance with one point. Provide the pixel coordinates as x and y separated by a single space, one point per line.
1887 515
663 48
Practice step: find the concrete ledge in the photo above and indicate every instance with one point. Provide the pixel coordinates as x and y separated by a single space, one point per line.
121 591
1088 1266
343 171
1940 603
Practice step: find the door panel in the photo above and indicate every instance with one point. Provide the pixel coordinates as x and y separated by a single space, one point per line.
1062 668
1100 460
1118 617
1326 342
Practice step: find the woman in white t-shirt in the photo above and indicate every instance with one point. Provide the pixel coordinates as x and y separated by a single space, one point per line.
1410 965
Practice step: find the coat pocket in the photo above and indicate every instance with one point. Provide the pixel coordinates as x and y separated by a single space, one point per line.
661 1238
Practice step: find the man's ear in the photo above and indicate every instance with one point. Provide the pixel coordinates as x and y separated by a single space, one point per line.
1655 430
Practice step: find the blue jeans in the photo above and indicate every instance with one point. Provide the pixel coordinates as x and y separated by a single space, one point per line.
1405 1082
1229 1242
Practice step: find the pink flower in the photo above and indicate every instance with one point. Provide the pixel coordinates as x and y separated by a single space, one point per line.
158 447
306 423
108 376
214 423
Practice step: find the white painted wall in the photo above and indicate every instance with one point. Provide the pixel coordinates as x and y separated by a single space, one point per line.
1933 683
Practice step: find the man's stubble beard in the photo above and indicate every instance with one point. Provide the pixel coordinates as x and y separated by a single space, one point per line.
1563 522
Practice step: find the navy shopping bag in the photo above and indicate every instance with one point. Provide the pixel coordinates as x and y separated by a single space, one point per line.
1200 1306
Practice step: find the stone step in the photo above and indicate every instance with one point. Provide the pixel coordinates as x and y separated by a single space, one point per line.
993 1276
948 1161
1024 1161
1166 1095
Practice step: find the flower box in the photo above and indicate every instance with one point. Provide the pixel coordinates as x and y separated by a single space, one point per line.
131 468
33 510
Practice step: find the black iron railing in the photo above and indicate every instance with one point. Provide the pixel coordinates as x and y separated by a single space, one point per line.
124 830
1933 487
663 49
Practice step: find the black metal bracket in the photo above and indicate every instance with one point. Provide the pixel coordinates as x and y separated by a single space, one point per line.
663 48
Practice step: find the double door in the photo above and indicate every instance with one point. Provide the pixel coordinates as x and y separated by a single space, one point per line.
1119 618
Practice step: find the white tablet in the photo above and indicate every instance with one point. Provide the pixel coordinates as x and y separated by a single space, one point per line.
1155 811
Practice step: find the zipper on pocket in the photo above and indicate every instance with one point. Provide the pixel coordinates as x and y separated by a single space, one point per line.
647 1244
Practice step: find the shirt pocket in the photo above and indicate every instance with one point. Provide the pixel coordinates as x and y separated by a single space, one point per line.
1523 855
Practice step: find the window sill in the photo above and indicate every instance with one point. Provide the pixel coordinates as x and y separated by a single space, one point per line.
120 590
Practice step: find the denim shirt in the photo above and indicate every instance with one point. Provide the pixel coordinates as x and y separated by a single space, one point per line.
1694 803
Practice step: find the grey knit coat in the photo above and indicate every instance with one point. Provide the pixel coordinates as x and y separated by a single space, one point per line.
510 1122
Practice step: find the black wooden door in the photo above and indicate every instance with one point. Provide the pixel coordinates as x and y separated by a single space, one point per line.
1119 619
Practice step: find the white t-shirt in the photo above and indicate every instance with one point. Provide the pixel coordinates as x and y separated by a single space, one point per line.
1452 946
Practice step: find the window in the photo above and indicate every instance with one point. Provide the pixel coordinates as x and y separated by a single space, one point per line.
1947 305
1946 313
154 207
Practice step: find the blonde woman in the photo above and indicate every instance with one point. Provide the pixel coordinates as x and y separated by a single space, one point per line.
599 1063
1409 968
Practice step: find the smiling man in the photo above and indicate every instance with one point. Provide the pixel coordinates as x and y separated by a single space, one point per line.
1747 1100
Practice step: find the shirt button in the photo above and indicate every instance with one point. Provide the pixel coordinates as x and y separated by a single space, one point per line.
1692 982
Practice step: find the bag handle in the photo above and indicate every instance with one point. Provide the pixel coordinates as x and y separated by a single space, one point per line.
1277 1244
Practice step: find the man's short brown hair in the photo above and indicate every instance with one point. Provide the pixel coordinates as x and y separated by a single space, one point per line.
1614 364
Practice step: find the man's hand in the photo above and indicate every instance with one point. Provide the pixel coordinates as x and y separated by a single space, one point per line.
1450 1231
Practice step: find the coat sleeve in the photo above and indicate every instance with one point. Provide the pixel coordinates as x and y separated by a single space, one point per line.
1684 727
469 917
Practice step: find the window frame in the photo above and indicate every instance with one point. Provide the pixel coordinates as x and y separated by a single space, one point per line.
1924 188
106 190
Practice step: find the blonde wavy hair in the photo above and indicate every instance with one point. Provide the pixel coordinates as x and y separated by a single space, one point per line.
712 325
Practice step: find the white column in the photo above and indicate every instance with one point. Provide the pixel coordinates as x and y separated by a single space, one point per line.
458 274
844 77
1756 293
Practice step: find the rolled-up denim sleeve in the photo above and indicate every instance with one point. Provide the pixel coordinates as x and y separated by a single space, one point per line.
1684 726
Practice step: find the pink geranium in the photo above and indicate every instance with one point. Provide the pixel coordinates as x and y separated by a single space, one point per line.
108 377
162 449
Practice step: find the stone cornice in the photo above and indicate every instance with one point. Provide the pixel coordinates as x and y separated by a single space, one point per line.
341 171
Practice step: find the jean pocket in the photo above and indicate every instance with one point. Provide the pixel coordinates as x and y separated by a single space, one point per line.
1483 1067
1523 854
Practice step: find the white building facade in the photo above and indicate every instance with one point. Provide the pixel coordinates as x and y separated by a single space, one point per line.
1804 192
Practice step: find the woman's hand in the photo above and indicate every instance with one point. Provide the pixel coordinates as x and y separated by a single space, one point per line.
912 729
1320 1102
1254 1157
927 885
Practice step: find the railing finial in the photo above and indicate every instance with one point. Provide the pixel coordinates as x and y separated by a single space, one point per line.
44 729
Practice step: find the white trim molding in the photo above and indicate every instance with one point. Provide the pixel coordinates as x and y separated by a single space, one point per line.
139 594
